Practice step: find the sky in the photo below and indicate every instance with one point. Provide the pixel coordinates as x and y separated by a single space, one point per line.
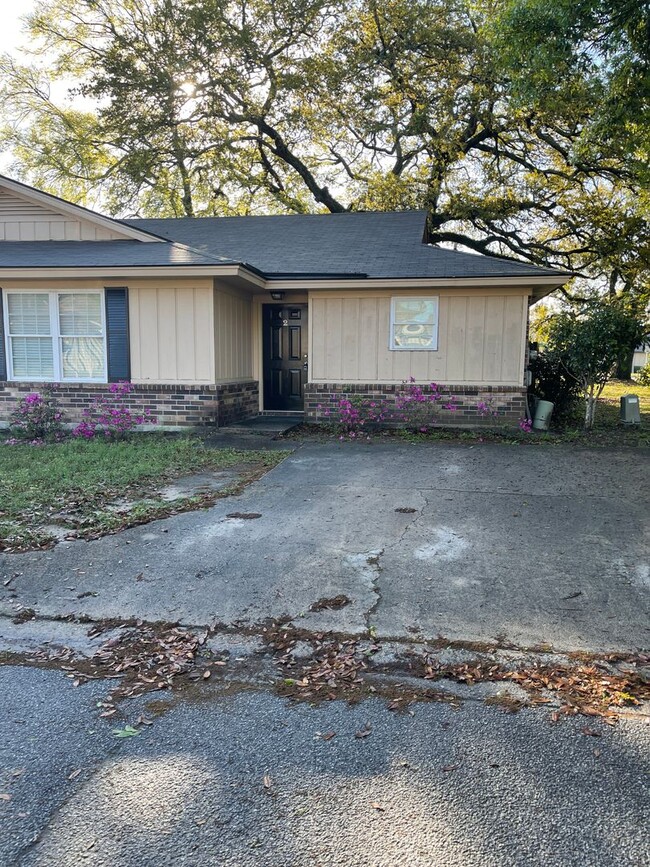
11 12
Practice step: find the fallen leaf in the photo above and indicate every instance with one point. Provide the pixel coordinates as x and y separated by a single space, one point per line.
328 736
206 674
268 782
364 732
450 767
200 822
143 721
126 732
597 753
378 807
74 774
590 732
4 796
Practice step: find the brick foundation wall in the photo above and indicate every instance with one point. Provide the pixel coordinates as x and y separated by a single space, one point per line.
508 401
237 401
184 406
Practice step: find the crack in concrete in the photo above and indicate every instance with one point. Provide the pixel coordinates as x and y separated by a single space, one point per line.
373 560
417 517
258 628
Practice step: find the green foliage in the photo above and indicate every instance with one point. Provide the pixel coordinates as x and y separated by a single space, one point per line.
539 318
586 55
589 342
643 376
552 381
520 125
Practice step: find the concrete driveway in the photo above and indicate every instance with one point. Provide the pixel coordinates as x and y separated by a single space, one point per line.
529 544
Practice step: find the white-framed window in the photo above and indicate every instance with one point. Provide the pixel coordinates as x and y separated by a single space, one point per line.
414 322
55 336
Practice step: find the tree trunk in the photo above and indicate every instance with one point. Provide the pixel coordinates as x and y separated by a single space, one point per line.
590 411
624 364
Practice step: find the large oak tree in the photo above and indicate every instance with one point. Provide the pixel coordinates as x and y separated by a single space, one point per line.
521 125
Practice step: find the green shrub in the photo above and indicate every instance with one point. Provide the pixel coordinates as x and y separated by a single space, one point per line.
643 376
552 381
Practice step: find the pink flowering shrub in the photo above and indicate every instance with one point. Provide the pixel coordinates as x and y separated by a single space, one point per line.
112 417
418 406
486 408
526 424
357 415
36 418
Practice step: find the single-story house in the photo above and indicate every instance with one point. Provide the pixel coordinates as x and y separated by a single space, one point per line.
216 319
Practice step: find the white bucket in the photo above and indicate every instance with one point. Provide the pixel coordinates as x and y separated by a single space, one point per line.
543 413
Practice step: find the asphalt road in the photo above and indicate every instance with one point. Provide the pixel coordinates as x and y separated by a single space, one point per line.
473 787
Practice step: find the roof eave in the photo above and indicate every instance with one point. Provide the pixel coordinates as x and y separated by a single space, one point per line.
109 272
539 286
543 283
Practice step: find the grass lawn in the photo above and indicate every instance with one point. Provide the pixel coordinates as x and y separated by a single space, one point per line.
616 389
76 484
608 429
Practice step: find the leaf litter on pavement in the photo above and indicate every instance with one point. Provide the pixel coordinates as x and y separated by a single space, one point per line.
146 657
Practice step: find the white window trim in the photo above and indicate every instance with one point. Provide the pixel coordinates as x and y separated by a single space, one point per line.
55 333
391 334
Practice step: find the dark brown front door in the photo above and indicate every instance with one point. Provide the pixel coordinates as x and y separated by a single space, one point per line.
285 355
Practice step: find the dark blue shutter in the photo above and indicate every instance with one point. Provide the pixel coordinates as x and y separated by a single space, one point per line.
3 353
117 333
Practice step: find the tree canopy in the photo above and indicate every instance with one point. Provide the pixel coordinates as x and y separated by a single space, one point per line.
522 126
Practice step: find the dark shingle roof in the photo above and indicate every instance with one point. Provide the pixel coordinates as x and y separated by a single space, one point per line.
375 244
362 244
100 254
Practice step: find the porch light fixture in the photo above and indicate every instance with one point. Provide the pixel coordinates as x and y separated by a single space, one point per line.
277 296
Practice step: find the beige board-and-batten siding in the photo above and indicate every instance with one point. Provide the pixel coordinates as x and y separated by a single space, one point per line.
172 350
481 338
171 326
22 220
174 335
189 331
233 334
